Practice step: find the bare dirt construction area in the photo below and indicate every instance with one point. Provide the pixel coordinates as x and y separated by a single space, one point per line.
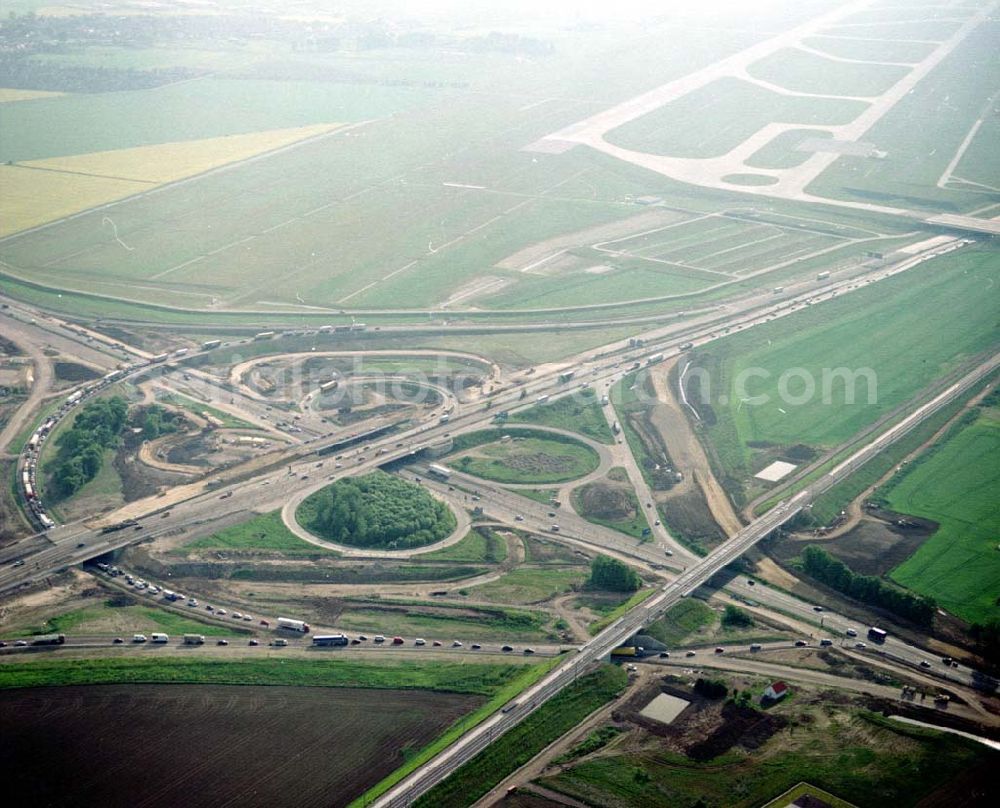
209 745
872 547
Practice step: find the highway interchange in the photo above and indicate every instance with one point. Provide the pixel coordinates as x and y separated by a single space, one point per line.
203 511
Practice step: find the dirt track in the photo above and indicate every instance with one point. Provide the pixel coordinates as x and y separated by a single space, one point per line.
687 452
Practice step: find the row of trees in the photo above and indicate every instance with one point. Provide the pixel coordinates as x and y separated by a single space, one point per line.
869 589
379 511
80 449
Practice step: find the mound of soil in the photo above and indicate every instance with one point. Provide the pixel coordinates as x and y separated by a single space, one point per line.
603 501
741 726
534 462
688 515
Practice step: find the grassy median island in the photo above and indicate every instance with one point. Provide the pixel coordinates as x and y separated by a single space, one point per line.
525 457
266 533
579 412
378 511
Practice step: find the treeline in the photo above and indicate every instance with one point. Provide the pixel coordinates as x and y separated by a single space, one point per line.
24 73
80 449
378 510
833 572
613 575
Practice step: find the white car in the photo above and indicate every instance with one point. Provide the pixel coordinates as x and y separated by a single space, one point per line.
420 641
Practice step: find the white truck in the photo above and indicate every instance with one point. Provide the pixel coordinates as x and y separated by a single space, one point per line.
194 639
293 625
160 638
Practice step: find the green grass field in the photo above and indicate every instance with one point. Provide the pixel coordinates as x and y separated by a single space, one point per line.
527 585
828 506
714 119
266 532
578 412
781 151
612 614
482 545
529 460
208 107
459 677
681 622
872 49
446 622
955 484
104 619
908 330
809 73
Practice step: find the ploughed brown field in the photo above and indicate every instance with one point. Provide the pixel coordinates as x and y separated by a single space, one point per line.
142 746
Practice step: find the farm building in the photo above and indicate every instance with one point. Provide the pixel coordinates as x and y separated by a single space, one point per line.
775 691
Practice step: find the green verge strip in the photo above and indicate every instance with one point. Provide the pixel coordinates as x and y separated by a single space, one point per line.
527 739
637 597
523 681
475 678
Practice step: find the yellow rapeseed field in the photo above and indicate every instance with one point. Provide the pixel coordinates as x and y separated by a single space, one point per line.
166 162
39 191
7 94
31 197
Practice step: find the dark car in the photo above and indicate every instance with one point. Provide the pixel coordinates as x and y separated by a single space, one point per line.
664 655
476 646
117 641
720 650
529 650
254 642
223 642
801 643
507 648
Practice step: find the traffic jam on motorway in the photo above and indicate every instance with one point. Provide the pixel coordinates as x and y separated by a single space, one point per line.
285 624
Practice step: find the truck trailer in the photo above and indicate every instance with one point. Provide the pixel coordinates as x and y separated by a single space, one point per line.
194 639
49 639
877 634
330 639
293 625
